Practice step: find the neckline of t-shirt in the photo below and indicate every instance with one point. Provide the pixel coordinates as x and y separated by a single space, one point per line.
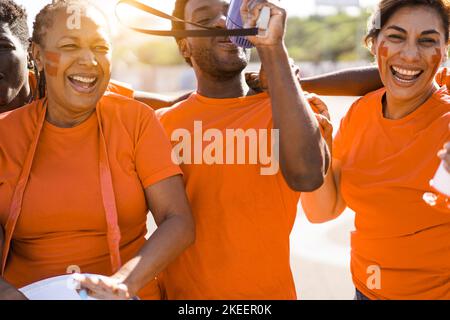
87 123
434 99
228 101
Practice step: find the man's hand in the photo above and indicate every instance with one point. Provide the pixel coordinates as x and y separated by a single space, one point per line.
323 117
250 12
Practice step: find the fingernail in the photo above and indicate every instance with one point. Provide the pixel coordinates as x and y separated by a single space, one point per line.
83 294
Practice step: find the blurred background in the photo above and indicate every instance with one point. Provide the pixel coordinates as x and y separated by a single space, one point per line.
322 36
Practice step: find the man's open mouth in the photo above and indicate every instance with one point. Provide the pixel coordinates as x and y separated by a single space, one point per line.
83 83
404 75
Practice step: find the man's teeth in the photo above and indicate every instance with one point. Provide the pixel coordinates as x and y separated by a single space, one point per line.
405 72
87 80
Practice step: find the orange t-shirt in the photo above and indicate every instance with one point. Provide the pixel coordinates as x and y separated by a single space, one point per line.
243 218
62 220
401 246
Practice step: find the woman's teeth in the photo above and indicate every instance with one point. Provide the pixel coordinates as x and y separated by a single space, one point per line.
404 75
87 80
84 82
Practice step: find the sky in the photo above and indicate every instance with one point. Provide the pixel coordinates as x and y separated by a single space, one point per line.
294 7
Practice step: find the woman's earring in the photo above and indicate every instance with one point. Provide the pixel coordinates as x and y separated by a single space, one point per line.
30 64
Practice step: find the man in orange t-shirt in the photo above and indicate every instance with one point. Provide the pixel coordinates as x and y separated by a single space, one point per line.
225 139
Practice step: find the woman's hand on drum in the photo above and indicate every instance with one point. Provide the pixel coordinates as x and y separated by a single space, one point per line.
104 288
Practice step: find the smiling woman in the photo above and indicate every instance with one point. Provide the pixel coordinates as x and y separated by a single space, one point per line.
84 168
76 60
384 155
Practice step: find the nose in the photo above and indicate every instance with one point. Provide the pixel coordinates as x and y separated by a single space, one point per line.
87 58
410 52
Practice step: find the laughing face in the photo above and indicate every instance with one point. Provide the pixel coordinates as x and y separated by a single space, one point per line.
410 49
216 56
76 61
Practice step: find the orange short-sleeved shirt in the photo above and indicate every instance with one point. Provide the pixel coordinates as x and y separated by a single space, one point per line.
62 221
386 169
243 219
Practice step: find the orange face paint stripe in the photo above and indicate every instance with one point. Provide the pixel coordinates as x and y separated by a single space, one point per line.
436 59
52 56
382 53
51 70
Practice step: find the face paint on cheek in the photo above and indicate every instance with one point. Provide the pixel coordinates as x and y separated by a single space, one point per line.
436 60
382 54
52 63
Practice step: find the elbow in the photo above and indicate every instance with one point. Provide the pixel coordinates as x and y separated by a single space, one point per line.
305 182
314 219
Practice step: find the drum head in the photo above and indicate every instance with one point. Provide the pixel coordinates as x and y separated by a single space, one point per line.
57 288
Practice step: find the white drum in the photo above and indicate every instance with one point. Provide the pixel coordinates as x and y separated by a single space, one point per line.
57 288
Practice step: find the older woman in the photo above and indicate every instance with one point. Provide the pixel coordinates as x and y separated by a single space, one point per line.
80 169
385 154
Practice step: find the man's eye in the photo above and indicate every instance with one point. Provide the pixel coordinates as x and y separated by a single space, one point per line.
204 21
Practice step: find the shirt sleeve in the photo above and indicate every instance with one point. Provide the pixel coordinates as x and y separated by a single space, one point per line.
153 152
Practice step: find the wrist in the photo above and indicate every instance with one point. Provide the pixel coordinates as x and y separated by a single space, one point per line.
273 55
273 49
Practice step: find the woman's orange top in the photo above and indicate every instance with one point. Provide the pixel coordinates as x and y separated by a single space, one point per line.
63 219
401 246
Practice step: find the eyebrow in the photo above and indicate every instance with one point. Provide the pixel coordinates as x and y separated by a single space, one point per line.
397 28
432 31
203 8
2 38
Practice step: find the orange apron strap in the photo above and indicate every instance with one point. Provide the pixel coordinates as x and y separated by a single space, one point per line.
109 202
16 203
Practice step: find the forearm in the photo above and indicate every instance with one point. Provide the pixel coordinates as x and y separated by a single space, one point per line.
8 292
326 203
169 240
319 206
304 155
158 101
349 82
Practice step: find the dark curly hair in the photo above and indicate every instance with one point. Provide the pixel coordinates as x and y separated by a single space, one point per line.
386 9
16 18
